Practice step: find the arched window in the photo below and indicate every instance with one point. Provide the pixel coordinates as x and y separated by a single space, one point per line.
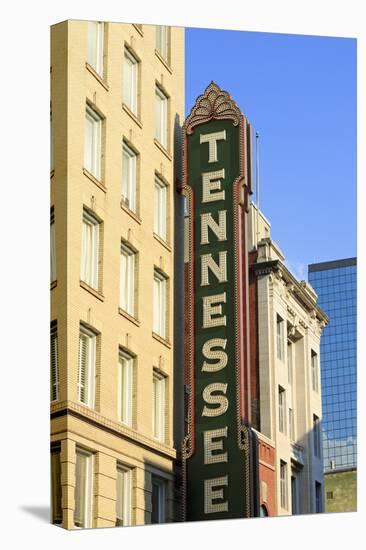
263 511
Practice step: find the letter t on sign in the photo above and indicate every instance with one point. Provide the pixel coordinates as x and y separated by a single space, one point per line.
212 140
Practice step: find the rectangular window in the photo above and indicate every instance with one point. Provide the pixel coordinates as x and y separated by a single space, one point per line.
56 489
280 338
162 41
127 279
294 495
158 413
53 247
83 489
283 484
161 117
159 305
93 142
318 497
54 364
89 250
316 435
95 46
129 177
87 366
314 370
125 387
160 208
158 500
291 424
130 81
124 499
289 362
281 410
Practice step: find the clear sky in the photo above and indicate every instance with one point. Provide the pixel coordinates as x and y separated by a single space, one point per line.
299 93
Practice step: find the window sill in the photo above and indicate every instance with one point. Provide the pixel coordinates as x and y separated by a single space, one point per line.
129 317
164 61
53 284
162 242
162 149
132 115
130 213
97 76
140 31
92 291
161 340
92 178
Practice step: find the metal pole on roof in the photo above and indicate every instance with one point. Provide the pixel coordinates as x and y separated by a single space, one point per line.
257 182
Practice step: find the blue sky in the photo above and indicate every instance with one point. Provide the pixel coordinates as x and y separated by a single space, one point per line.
299 93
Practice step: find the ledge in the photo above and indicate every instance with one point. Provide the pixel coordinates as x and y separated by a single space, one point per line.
52 173
162 149
53 284
97 76
161 340
164 61
133 215
92 178
129 317
132 115
162 242
92 291
140 31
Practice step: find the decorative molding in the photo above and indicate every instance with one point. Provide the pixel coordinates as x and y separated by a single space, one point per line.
213 104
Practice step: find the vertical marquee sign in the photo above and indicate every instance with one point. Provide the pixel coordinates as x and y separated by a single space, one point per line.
216 448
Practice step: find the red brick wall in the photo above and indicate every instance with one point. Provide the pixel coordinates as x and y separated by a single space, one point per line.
267 474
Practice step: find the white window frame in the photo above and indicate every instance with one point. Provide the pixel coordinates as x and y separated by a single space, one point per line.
314 371
86 389
124 496
160 483
281 409
53 248
280 333
161 117
127 279
130 81
125 387
160 208
54 364
129 177
162 40
93 143
89 258
95 46
160 304
159 405
88 487
283 484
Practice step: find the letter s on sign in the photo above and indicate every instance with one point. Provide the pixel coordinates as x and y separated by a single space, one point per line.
220 400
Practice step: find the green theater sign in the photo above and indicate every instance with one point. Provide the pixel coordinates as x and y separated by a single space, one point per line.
215 182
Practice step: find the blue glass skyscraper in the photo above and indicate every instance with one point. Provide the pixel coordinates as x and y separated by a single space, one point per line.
335 284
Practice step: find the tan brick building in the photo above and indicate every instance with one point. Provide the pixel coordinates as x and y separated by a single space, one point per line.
117 100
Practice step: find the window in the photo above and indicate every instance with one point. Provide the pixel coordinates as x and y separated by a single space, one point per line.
289 362
56 489
280 338
127 279
86 370
53 247
314 370
283 484
316 435
263 513
294 510
318 497
281 410
161 116
125 387
158 413
93 142
124 501
162 41
129 177
159 314
89 249
95 46
130 75
158 500
160 210
291 424
54 364
83 489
